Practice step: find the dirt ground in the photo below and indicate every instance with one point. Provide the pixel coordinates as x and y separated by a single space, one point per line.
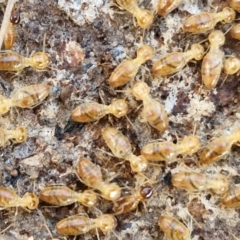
108 35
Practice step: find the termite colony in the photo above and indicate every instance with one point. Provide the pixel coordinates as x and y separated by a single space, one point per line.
131 139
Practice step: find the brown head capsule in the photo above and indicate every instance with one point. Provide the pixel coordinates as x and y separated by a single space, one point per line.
176 61
173 228
76 225
153 111
213 61
143 16
91 175
128 69
121 148
8 198
164 7
89 112
63 196
130 202
205 21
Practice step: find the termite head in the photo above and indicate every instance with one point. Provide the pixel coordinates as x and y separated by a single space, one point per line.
191 143
119 107
89 198
140 90
145 52
216 37
198 51
40 60
106 222
31 200
21 134
111 191
145 19
146 192
4 105
230 14
138 164
15 17
231 65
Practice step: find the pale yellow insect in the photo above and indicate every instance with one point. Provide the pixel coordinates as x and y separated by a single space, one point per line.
164 7
219 147
167 151
9 198
18 135
25 97
121 148
205 21
12 61
128 69
89 112
129 203
63 196
193 182
176 61
212 63
173 228
91 175
76 225
143 16
153 111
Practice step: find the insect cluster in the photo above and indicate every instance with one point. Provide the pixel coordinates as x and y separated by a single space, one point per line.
141 162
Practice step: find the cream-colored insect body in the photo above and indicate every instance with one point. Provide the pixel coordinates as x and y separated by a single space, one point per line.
193 182
121 148
205 21
26 97
173 228
168 151
143 16
128 69
219 147
232 197
12 61
129 203
63 196
153 111
9 198
231 65
91 175
212 63
18 135
10 35
176 61
76 225
89 112
235 31
164 7
235 4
